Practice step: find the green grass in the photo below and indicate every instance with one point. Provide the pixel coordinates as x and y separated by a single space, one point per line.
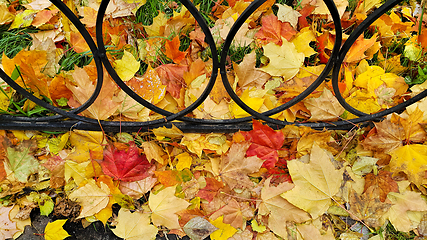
15 40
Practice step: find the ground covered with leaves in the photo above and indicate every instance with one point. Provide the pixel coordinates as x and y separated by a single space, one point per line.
293 183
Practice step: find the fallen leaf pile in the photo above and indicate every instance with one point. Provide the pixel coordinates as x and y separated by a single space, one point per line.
293 183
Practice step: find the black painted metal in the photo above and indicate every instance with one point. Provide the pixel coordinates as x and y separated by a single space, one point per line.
66 120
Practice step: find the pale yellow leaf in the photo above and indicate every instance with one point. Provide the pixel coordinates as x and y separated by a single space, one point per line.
164 206
285 60
134 226
315 183
402 203
91 198
324 108
288 14
280 210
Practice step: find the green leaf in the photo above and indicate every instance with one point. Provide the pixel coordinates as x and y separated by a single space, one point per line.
21 161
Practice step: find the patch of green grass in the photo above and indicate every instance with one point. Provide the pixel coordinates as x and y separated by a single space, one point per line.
13 41
205 8
393 234
147 12
237 53
71 59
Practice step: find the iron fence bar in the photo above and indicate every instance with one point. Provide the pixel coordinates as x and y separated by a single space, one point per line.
64 120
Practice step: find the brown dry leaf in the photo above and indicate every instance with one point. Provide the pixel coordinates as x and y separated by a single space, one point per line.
324 108
368 206
248 75
381 182
55 164
389 136
234 167
414 132
280 210
316 183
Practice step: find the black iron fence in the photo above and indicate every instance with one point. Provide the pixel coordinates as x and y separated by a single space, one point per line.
65 120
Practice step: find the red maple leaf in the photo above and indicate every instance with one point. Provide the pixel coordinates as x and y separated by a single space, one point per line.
211 189
273 30
265 143
280 172
127 166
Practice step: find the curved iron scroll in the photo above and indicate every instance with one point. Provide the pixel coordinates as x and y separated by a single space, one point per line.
64 120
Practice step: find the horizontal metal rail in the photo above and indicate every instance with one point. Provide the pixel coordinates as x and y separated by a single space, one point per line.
65 120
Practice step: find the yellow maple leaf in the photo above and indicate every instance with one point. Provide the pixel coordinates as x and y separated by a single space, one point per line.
5 96
134 226
197 142
302 41
184 161
164 206
163 132
158 26
85 143
127 66
315 183
253 102
5 15
285 60
75 170
224 232
54 230
23 19
412 160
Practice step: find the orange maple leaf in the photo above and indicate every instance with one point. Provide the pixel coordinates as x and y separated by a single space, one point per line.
172 50
358 49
